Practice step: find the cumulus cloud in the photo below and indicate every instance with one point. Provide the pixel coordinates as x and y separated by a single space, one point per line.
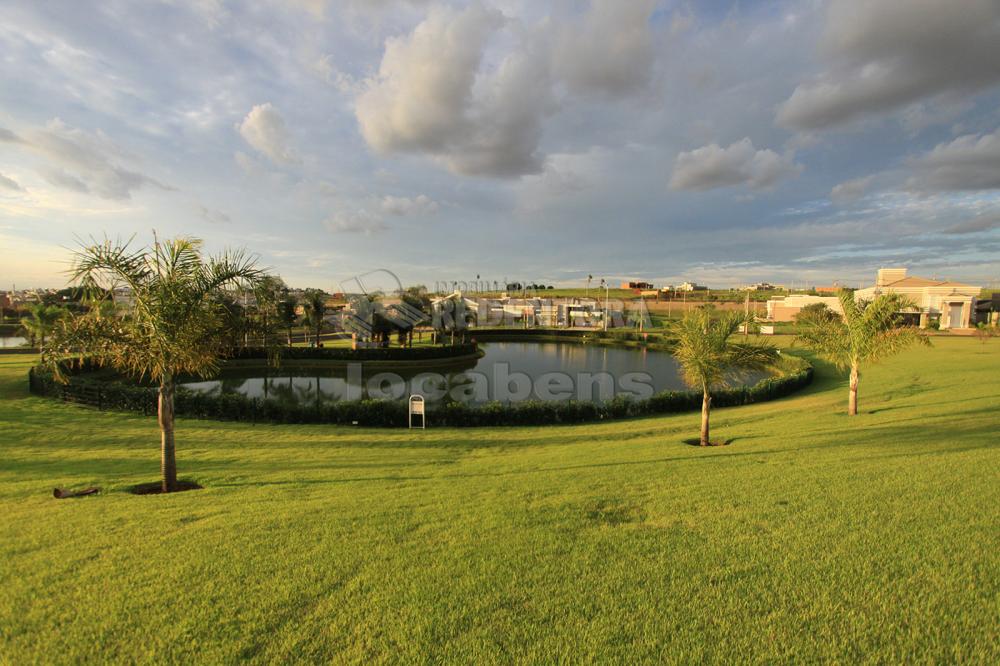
81 161
9 184
357 222
970 162
430 97
850 191
420 99
609 51
712 166
886 54
264 129
419 205
435 94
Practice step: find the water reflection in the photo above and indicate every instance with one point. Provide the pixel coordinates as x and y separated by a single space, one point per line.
509 372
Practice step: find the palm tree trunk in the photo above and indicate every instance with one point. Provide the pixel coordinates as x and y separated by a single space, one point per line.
706 405
852 400
168 459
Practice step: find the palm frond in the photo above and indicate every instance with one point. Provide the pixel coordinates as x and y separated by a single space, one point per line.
707 356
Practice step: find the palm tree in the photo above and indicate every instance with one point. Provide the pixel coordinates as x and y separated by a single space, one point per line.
266 308
868 332
173 327
315 307
287 315
708 358
41 320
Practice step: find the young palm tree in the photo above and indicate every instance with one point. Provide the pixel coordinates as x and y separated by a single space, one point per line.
710 360
172 328
868 332
315 307
41 321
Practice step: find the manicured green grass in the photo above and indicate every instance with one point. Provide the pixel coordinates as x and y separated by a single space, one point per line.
811 537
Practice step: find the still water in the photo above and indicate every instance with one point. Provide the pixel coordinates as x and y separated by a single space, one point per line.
509 372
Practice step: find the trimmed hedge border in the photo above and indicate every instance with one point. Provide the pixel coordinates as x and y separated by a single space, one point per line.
9 330
797 373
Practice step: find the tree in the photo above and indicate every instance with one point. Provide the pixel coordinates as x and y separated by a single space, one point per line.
868 332
815 313
267 298
314 305
984 332
41 321
287 313
174 326
710 360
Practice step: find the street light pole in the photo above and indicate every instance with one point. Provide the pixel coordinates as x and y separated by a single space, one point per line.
607 291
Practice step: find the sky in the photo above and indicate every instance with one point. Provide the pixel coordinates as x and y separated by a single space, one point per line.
800 142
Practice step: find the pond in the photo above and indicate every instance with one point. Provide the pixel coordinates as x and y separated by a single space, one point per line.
12 342
508 372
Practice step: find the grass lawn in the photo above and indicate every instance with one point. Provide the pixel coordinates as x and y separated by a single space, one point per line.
812 537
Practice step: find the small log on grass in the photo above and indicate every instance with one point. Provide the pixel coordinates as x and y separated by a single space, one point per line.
63 493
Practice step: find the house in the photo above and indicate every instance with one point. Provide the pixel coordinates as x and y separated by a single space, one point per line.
691 286
784 308
988 309
637 285
827 290
949 303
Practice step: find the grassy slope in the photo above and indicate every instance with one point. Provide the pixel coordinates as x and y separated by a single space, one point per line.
812 536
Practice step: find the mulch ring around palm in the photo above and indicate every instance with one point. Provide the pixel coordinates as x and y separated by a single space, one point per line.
697 442
156 487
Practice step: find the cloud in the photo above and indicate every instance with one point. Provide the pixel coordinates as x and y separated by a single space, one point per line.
343 82
419 205
712 166
886 54
264 129
977 224
609 51
970 162
212 215
9 184
63 180
430 97
358 222
473 87
81 161
9 137
850 191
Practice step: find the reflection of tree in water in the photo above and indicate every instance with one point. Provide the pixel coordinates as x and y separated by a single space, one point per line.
281 391
226 386
295 390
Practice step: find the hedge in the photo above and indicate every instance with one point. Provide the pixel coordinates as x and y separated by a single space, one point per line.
795 374
360 355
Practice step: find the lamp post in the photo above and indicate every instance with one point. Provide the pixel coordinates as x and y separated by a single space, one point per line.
607 290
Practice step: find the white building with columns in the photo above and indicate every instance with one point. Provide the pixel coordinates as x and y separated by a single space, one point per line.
951 303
